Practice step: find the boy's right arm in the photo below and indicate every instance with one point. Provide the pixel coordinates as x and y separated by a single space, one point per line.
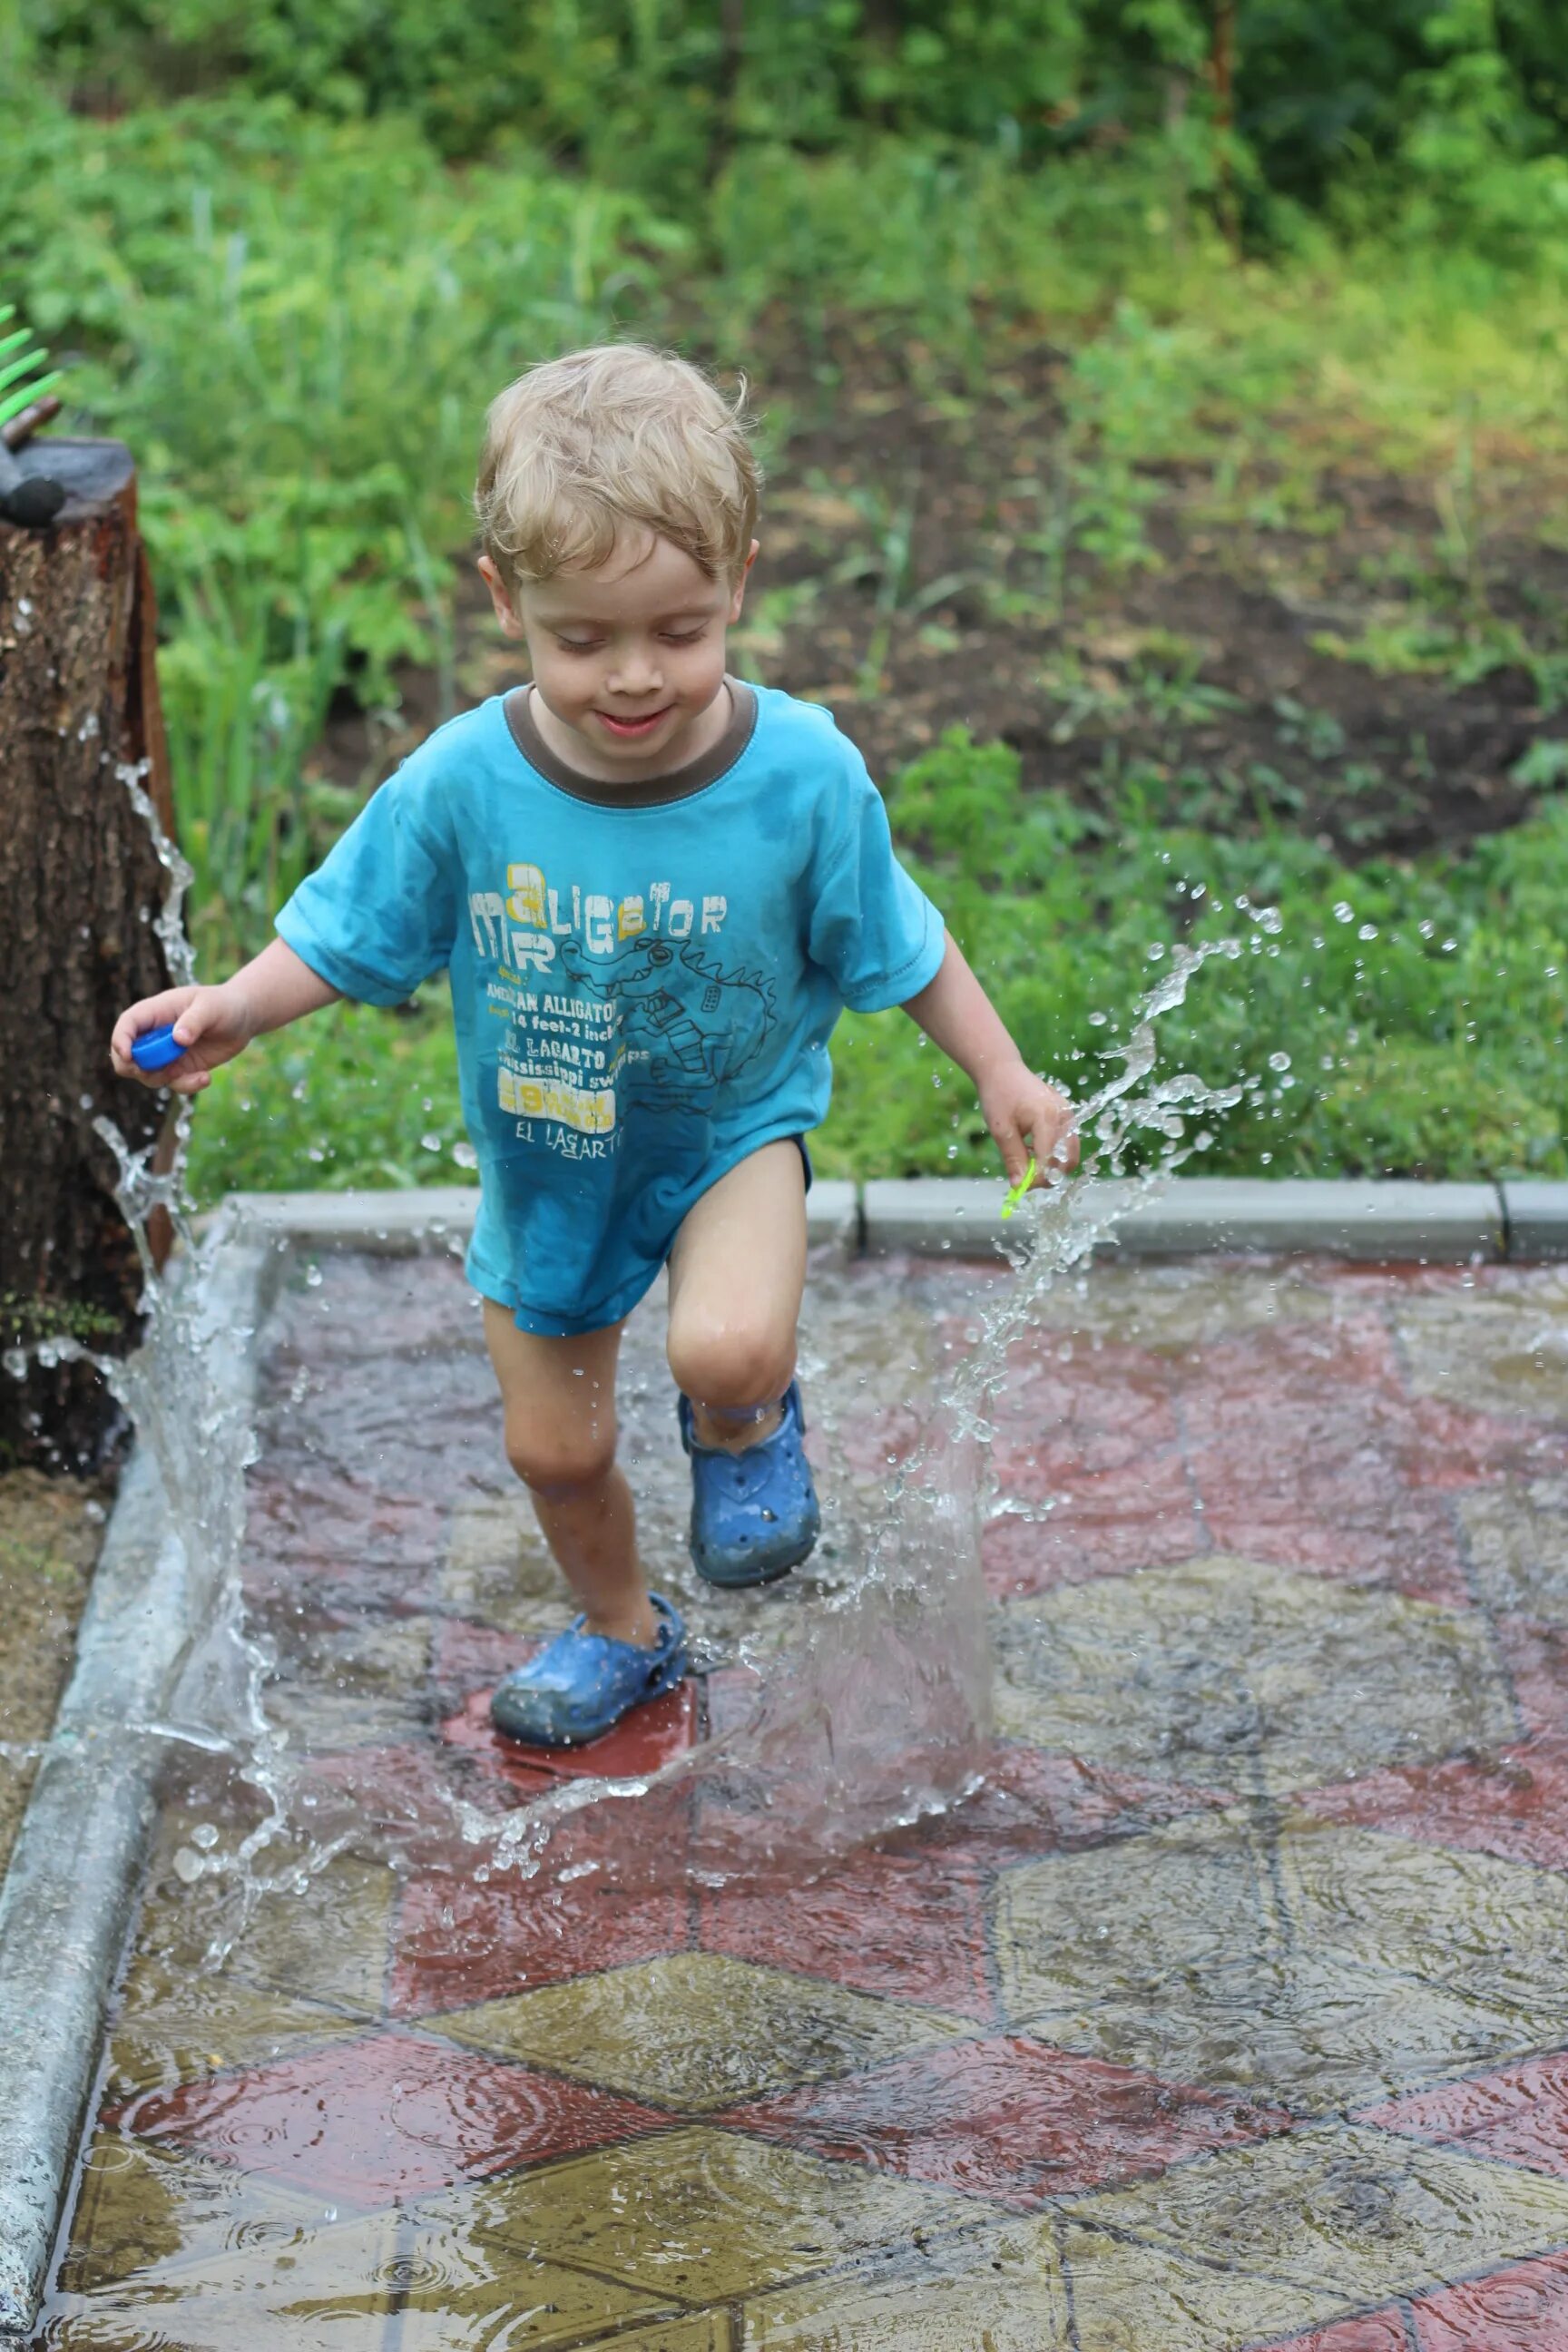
216 1023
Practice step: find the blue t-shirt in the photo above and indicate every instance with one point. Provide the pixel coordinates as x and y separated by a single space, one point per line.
644 978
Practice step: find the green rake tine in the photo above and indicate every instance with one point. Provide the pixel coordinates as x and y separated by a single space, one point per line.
14 405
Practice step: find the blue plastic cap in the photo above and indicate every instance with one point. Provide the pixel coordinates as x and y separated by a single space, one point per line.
155 1048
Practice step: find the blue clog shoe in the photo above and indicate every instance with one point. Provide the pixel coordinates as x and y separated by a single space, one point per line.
754 1514
582 1683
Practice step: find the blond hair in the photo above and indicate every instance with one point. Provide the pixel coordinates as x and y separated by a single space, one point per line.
620 436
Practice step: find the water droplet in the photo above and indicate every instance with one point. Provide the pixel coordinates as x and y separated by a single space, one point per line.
1343 911
1279 1061
1367 931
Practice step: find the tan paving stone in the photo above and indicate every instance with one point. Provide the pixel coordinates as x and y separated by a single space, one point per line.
462 2292
1336 2216
1171 1309
1519 1547
1130 2297
1499 1349
141 2210
331 1945
355 1688
1319 1968
173 2028
700 2331
698 2031
1470 1922
496 1570
329 2289
1228 1673
702 2216
1000 2289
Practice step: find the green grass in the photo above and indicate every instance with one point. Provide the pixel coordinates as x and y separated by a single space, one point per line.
1406 1019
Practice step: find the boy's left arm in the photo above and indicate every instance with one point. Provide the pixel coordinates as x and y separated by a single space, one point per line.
1024 1114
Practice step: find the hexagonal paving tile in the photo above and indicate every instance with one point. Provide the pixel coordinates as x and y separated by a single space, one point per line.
1227 1673
1294 1962
1001 2290
1499 1346
1259 2240
697 2032
700 2216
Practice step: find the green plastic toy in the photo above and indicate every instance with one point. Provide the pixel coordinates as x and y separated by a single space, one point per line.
1019 1191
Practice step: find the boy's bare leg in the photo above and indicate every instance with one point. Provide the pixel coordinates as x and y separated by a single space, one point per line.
559 1397
736 1276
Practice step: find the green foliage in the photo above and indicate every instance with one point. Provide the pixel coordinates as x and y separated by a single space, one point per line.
1406 1019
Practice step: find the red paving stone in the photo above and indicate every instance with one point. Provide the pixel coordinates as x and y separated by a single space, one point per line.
910 1926
1144 1514
1376 2331
1514 1804
1007 2119
385 2118
1521 2309
1518 2113
456 1944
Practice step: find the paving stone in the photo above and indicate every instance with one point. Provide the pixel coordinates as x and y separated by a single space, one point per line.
1523 2308
1006 2118
387 2117
1332 2218
1227 1672
1500 1348
1519 2115
142 2206
457 1945
1320 1969
322 2290
1517 1535
1513 1803
702 2216
697 2031
1003 2290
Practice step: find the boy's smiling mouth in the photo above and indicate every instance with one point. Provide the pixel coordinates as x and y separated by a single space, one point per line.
629 730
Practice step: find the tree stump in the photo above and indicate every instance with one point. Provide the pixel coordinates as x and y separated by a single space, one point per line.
81 884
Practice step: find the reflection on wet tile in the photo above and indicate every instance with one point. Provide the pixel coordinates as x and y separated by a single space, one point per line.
497 1568
1001 2290
697 2031
702 2216
1518 2115
702 2331
173 2028
1521 2309
1132 2297
1225 1673
1006 2118
330 1947
138 2205
362 1685
1342 2215
464 2294
329 2290
389 2116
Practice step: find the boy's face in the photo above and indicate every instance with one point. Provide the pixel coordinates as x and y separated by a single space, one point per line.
626 657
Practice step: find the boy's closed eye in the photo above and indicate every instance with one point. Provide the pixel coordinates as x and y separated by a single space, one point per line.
595 645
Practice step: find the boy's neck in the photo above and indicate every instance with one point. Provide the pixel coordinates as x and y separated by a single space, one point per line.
694 742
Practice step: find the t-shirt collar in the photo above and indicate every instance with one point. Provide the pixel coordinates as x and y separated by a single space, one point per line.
650 792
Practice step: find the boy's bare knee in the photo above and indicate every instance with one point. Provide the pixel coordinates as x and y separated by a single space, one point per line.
727 1367
560 1472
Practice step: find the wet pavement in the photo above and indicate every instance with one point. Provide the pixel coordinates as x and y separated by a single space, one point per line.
1231 2011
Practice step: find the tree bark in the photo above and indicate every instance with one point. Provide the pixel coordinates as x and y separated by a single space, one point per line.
81 884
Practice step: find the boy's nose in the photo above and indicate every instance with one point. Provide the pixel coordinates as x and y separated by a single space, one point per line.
636 676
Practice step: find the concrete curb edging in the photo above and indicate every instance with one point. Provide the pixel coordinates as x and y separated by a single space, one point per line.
66 1902
1388 1222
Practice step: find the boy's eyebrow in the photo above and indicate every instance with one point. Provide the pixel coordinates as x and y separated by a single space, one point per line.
570 620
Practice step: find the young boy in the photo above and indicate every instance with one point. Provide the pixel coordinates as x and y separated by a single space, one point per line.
654 889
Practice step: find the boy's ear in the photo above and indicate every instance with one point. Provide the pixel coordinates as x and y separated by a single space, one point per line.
500 597
738 598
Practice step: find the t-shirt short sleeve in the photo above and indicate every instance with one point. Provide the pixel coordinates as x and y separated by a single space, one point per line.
378 915
873 930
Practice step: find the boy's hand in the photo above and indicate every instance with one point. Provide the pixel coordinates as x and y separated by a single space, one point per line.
1025 1115
213 1024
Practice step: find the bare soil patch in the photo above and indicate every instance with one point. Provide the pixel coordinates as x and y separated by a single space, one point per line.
50 1530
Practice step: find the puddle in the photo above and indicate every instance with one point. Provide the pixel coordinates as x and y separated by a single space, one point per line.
1228 2008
